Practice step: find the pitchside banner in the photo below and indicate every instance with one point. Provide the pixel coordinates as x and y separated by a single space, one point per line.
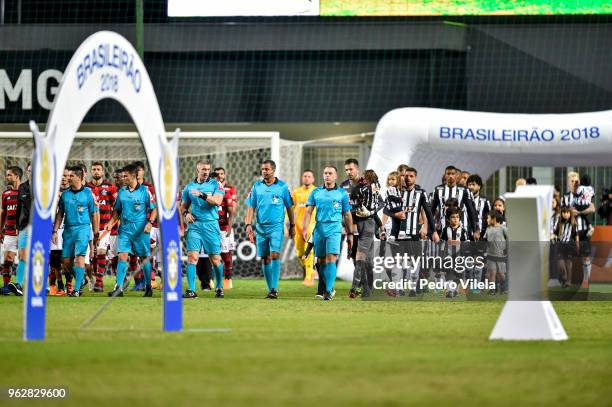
105 66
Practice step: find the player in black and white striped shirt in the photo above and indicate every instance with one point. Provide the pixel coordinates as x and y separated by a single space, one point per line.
454 234
482 206
451 190
407 221
570 199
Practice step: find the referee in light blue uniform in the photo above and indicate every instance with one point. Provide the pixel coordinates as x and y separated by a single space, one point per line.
81 215
204 195
133 204
267 203
332 204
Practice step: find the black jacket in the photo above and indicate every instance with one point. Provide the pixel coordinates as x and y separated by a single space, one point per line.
24 205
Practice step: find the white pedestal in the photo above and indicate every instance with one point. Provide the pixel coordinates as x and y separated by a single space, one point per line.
528 320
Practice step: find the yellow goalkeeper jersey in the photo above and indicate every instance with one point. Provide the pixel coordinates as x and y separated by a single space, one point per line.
300 197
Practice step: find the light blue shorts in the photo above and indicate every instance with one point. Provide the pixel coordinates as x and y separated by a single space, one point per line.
269 238
133 240
75 241
203 234
327 238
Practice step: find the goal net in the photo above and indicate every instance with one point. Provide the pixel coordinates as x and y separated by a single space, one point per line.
240 153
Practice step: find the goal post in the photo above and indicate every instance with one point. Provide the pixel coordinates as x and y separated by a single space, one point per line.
240 153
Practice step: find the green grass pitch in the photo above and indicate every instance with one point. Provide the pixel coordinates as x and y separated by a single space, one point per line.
302 351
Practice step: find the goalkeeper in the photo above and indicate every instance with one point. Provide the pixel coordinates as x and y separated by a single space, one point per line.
300 197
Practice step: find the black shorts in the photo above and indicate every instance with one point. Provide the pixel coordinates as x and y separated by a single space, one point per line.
566 250
55 259
585 245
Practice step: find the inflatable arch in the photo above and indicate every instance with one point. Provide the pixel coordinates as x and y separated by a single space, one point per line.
430 139
105 66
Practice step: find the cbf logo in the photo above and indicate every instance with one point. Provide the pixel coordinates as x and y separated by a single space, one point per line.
173 264
275 200
44 171
336 204
168 174
38 268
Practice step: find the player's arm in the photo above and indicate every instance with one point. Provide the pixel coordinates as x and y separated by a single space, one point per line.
248 219
306 222
288 200
95 225
59 217
251 202
152 218
348 221
431 222
588 211
213 200
2 220
473 217
231 212
435 204
117 209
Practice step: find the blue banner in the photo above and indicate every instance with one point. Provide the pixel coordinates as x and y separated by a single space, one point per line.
35 300
173 276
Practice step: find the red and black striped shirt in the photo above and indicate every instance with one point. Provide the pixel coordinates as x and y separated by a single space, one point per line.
229 199
105 195
10 199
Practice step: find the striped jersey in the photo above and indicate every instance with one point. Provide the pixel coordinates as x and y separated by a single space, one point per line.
554 221
582 221
449 233
566 232
10 199
443 193
482 206
229 199
363 195
410 202
105 195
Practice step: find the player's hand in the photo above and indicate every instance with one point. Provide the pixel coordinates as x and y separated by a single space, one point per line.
96 238
250 234
181 232
305 235
575 212
400 215
189 218
383 234
423 233
148 227
292 231
435 237
349 244
54 238
477 235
